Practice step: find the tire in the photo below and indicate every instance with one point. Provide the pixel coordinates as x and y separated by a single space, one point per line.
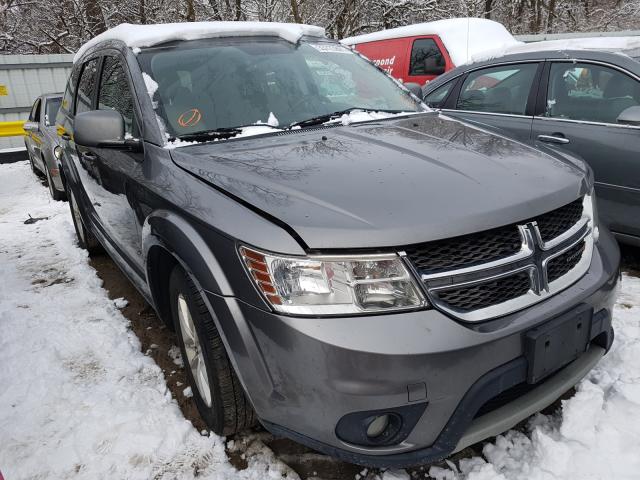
34 169
220 400
86 240
56 194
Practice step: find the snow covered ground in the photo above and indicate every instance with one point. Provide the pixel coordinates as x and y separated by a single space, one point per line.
78 400
77 397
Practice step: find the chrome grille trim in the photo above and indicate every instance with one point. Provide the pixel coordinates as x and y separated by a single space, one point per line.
525 252
534 257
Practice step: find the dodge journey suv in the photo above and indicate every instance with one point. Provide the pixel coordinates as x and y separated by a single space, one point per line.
372 279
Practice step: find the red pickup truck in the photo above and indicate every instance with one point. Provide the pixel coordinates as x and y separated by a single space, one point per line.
419 53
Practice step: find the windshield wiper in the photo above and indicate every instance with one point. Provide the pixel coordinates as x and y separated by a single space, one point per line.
204 135
219 133
330 116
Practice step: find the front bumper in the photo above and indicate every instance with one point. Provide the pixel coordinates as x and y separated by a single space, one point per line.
304 374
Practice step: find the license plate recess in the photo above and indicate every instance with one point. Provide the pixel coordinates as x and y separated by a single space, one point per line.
556 343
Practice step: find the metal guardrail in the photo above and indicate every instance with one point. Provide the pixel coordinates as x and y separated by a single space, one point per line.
12 129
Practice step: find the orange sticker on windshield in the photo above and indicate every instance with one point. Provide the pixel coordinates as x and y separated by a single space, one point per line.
189 118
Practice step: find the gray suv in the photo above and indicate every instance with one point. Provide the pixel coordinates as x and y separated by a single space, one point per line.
369 278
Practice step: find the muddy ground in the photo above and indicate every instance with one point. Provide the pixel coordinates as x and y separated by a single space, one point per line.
157 341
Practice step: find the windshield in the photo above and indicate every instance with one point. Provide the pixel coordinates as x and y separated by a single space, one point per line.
51 110
217 84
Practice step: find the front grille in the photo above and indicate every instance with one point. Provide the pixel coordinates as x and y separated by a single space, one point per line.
468 275
466 250
564 263
559 221
485 294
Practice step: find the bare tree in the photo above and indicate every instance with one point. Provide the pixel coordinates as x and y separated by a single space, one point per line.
60 26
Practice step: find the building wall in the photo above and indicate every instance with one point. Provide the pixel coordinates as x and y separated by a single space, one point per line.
24 77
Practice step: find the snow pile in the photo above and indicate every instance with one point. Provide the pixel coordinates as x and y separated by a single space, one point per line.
597 433
615 44
78 400
152 87
272 121
356 116
137 36
462 37
251 130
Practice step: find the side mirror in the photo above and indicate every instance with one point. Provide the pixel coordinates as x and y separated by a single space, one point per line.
30 126
102 129
414 88
630 116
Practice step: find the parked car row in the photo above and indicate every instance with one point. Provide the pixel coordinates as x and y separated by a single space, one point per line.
41 141
586 102
374 279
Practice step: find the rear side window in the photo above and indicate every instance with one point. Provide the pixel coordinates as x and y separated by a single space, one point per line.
34 116
502 89
590 92
115 94
426 58
86 86
436 98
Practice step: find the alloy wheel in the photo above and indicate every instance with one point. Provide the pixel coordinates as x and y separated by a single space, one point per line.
193 350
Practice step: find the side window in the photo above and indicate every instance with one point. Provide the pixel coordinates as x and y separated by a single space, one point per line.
114 93
34 116
588 92
436 98
426 58
70 91
51 111
502 89
86 86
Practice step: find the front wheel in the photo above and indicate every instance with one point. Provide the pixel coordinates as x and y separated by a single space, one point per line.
86 240
217 392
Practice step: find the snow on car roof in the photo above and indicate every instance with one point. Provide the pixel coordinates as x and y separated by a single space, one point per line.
606 44
137 36
462 37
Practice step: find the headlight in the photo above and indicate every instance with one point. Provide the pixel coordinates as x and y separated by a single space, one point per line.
323 285
57 152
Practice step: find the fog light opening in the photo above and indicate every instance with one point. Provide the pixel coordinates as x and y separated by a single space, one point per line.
378 426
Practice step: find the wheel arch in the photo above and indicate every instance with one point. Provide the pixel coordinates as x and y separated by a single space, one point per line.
168 239
167 233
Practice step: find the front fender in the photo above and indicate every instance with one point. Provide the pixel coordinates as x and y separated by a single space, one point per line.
218 287
183 241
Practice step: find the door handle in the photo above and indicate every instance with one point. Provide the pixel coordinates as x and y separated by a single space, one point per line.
90 157
557 138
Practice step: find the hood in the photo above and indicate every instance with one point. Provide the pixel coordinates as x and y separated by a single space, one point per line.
389 183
